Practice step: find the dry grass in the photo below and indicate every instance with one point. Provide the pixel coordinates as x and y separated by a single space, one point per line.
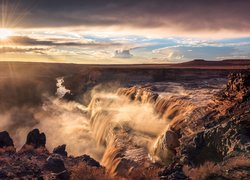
209 168
144 173
82 171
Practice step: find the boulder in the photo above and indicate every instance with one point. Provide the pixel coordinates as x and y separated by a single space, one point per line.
5 139
164 148
54 164
88 160
6 143
171 139
36 139
61 150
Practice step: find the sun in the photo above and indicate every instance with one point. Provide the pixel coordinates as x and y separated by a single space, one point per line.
5 33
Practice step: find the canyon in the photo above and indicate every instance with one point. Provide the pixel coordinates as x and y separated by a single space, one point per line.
132 122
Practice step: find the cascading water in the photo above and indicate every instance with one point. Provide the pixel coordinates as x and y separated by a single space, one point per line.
123 130
61 90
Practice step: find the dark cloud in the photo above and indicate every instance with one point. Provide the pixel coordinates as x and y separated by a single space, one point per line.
186 15
27 41
123 54
4 50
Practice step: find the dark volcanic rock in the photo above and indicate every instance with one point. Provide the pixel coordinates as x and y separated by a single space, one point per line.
5 139
69 96
222 136
36 139
54 164
173 172
34 161
238 81
227 134
61 150
219 142
88 160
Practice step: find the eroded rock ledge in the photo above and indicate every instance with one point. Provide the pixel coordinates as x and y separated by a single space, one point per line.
221 148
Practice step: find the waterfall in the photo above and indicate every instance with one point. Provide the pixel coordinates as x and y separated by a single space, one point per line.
61 90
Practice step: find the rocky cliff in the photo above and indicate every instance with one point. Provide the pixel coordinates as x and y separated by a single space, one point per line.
207 138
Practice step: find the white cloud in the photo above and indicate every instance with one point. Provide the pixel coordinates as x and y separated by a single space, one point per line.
123 54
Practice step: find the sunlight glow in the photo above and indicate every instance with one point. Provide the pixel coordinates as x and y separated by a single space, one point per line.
5 33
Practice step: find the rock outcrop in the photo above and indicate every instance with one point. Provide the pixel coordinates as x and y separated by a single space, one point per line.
36 139
35 142
5 140
88 160
6 143
61 150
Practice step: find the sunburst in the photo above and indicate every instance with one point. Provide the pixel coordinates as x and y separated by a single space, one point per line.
5 33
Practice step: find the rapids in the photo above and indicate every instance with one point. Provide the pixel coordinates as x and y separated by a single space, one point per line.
123 130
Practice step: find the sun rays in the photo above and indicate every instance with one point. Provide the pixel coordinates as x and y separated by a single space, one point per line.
5 33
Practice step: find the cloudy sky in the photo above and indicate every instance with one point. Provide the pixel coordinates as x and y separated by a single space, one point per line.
124 31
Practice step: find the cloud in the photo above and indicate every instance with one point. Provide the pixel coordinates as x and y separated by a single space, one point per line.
27 41
185 16
184 53
123 54
6 50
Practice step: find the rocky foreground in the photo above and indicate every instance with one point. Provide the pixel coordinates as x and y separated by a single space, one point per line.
34 161
214 144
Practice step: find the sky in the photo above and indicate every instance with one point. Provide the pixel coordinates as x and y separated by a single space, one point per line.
124 31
